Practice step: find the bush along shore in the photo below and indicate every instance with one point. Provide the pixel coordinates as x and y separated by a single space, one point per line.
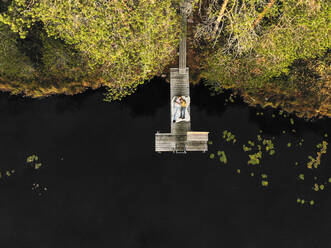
273 54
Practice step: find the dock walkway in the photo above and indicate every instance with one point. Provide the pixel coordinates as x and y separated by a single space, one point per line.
181 139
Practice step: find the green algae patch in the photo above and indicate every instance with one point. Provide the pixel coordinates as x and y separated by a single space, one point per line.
32 158
263 144
264 183
223 158
315 162
246 148
33 161
254 159
229 137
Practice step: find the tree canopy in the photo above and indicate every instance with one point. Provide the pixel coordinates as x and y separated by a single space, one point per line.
13 63
127 41
274 52
255 45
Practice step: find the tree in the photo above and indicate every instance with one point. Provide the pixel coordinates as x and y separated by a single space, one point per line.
62 61
14 64
258 43
130 40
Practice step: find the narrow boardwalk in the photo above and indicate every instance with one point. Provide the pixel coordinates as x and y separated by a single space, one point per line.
179 86
181 139
179 79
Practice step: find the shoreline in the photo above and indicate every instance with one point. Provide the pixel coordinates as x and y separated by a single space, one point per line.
262 99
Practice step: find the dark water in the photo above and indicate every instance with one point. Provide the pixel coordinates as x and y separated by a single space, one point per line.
107 188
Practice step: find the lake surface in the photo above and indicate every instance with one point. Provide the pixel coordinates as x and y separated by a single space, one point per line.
102 185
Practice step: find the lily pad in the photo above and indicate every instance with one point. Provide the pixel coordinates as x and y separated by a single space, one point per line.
37 166
264 183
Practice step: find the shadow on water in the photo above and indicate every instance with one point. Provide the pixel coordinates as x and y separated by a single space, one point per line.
148 98
155 95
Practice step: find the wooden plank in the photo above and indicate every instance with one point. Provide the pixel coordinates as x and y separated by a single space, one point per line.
181 138
197 136
181 146
179 86
168 142
180 127
182 44
169 137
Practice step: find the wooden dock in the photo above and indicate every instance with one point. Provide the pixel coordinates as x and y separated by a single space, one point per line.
181 143
179 86
181 139
179 79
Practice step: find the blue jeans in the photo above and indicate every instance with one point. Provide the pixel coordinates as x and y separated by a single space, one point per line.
182 112
174 116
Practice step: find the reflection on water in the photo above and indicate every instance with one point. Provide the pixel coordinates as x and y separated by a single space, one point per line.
102 185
